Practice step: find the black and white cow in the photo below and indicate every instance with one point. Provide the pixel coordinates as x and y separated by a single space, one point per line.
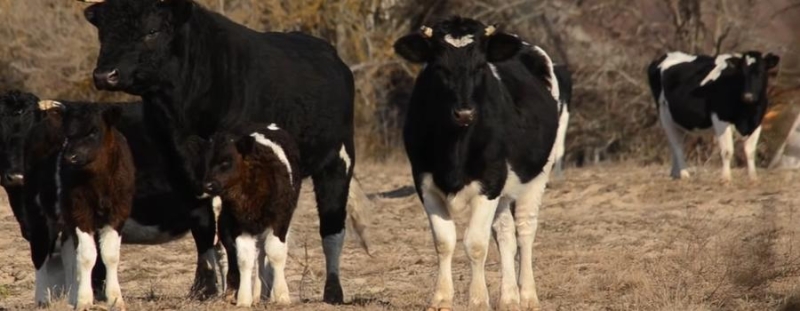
479 134
564 77
695 92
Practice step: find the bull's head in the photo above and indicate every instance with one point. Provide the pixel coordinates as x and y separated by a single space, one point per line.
138 41
458 53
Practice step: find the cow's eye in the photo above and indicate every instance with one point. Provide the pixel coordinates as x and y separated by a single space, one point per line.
152 34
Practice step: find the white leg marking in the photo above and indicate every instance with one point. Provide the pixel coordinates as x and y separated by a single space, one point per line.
724 133
526 221
246 256
221 263
110 241
505 236
70 263
444 239
561 136
41 294
216 206
86 256
675 140
750 146
345 158
277 252
476 242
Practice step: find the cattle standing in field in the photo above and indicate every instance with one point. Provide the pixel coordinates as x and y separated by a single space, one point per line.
258 179
695 92
97 179
197 72
480 131
564 77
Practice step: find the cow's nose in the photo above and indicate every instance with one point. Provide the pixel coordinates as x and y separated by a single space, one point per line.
71 158
211 187
14 178
748 97
106 78
464 117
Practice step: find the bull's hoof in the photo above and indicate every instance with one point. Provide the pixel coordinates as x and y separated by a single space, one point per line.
205 285
333 293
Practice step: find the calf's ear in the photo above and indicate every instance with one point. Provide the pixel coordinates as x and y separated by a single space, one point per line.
414 48
112 115
772 60
245 145
502 46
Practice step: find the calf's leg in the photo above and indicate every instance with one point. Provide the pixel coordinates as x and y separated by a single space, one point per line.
110 241
246 255
277 252
86 255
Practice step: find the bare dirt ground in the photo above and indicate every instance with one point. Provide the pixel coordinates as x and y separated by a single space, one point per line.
620 237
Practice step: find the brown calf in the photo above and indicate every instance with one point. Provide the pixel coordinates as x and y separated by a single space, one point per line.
96 175
257 175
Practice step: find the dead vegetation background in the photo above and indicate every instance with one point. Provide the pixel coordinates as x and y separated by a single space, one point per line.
49 49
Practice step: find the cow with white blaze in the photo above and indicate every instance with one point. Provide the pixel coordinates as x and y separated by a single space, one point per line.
694 92
479 134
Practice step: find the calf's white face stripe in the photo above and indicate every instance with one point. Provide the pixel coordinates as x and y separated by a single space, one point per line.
459 42
277 149
721 63
749 60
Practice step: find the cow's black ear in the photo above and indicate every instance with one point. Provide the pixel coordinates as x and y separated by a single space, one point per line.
502 46
414 48
245 145
181 10
112 115
91 13
772 60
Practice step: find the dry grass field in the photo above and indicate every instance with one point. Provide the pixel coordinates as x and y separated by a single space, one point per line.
619 237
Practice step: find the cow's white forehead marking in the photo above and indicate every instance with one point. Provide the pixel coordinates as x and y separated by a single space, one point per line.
273 127
749 60
459 42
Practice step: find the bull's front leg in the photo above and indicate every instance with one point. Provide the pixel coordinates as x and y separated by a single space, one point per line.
203 231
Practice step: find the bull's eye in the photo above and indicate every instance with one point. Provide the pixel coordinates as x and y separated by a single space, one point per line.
152 34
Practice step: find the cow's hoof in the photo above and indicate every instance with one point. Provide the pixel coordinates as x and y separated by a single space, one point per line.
230 295
509 306
333 292
479 306
438 309
83 306
530 305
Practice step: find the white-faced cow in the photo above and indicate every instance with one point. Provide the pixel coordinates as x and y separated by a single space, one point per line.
479 134
695 92
197 72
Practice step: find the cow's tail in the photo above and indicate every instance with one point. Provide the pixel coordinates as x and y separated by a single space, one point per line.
654 77
358 212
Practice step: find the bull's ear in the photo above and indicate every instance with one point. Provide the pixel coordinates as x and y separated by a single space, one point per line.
772 60
91 13
502 46
245 145
414 47
181 9
112 115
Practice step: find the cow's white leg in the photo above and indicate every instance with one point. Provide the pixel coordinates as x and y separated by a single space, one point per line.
444 239
526 220
476 243
724 133
86 255
750 145
505 236
561 137
679 167
277 252
246 257
43 282
110 241
69 262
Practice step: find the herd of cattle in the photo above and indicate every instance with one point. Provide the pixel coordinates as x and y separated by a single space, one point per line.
232 120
